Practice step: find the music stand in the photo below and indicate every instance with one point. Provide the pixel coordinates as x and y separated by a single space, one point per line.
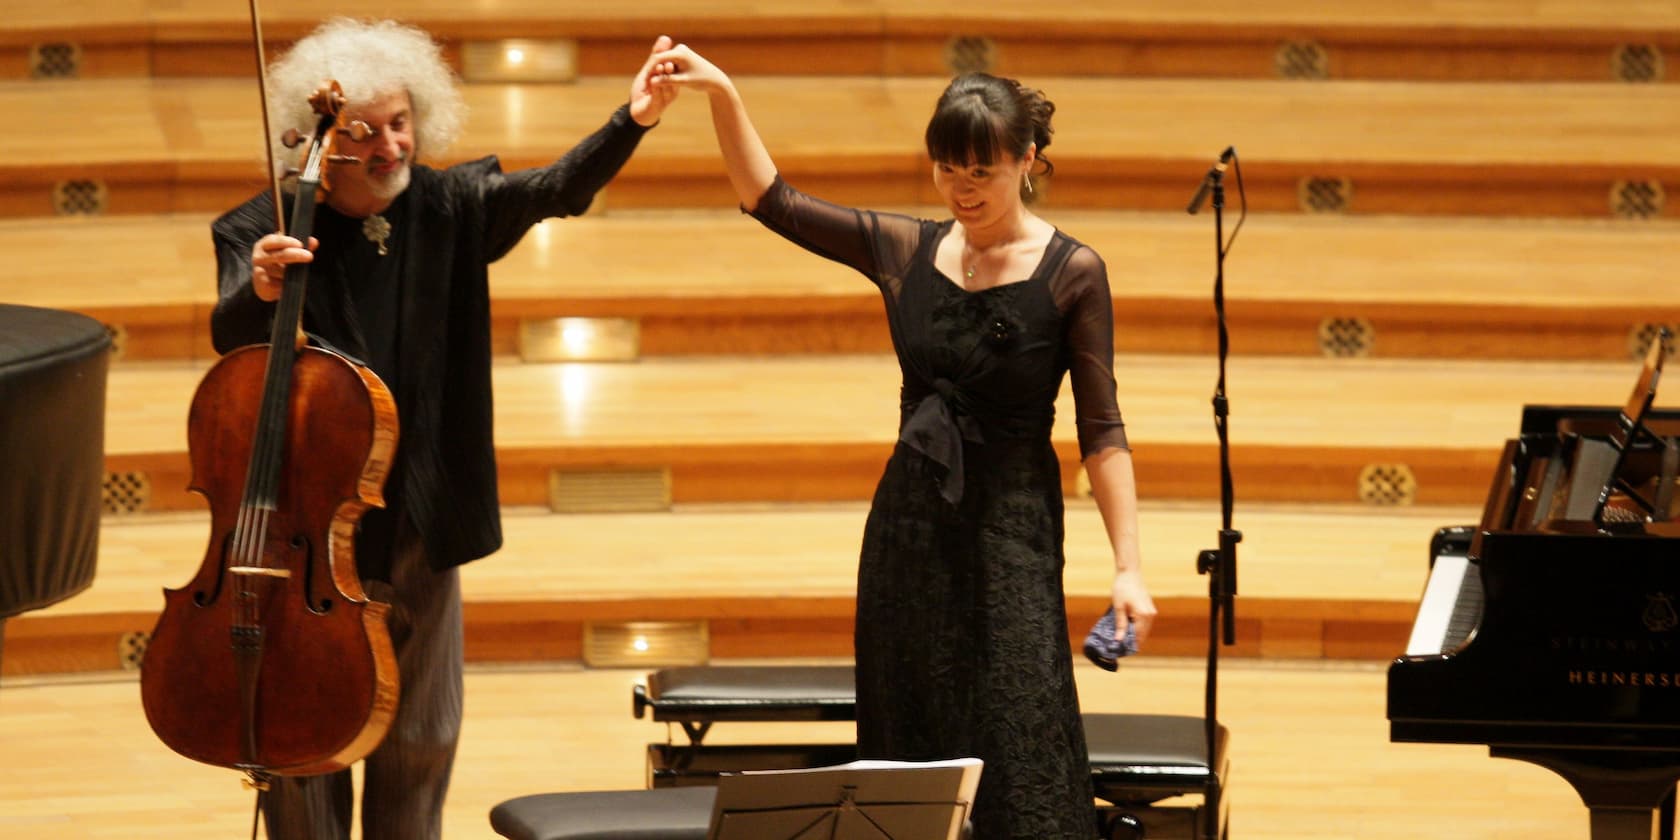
863 800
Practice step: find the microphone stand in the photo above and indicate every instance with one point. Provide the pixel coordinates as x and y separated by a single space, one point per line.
1220 564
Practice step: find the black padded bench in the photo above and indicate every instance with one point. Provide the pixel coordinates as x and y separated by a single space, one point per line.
1136 760
697 697
664 814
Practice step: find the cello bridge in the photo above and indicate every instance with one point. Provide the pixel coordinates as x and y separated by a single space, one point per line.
260 571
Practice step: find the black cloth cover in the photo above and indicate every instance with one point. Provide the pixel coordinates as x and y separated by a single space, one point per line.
52 445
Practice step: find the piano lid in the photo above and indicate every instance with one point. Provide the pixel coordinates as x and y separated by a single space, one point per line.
1599 469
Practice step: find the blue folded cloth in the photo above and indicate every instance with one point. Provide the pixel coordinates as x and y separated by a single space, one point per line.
1103 649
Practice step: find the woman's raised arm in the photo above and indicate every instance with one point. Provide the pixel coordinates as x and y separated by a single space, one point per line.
751 170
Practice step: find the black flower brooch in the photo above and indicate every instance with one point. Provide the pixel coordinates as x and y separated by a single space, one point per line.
1000 331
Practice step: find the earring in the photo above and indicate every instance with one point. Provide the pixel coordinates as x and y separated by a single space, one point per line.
1027 179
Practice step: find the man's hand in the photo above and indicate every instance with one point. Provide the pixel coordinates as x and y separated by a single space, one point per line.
648 101
269 258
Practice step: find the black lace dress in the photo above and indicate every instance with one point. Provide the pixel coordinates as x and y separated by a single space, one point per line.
962 642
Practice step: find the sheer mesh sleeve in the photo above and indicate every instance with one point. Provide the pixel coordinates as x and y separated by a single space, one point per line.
1081 292
880 245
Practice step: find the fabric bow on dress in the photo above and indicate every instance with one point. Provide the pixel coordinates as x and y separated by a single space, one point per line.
937 428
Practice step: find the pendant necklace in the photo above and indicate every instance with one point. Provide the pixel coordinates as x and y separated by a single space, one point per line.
376 229
970 263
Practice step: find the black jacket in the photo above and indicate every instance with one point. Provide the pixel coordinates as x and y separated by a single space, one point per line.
447 227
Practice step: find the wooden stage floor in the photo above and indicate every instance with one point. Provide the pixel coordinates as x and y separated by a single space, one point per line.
1310 756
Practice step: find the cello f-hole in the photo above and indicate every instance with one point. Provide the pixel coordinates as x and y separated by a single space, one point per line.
204 598
319 604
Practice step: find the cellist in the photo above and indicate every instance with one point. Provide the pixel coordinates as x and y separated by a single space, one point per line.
399 280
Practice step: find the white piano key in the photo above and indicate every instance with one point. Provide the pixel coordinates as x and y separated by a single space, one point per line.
1435 611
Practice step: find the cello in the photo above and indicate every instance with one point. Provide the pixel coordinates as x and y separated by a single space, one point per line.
272 660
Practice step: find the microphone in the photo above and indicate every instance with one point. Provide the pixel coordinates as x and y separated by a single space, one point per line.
1213 175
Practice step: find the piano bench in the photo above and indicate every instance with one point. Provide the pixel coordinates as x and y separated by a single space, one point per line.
697 697
669 814
1137 760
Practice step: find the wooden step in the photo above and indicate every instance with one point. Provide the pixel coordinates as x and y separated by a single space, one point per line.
719 284
784 429
181 145
1391 39
778 580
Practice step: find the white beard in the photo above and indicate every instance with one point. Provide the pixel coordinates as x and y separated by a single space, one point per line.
388 187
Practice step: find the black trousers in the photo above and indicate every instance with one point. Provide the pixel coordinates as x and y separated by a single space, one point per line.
406 778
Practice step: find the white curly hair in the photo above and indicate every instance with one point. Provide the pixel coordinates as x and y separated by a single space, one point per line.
368 59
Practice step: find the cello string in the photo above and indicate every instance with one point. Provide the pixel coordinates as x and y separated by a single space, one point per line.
252 534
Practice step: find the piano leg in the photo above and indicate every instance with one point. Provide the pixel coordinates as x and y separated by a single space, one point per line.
1623 823
1665 822
1624 791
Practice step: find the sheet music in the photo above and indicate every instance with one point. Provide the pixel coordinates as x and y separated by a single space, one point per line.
841 797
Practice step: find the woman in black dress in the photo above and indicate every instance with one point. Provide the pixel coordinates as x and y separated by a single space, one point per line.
962 642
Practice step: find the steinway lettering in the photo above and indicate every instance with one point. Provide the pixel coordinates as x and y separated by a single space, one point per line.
1633 679
1600 644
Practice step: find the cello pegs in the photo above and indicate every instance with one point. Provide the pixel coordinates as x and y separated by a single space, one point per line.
328 99
292 138
359 131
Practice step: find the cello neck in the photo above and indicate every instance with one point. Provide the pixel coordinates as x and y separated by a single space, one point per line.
268 443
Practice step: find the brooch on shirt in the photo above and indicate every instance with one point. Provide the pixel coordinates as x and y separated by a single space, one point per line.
377 230
999 331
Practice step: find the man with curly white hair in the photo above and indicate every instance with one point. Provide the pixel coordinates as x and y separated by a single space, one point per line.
399 279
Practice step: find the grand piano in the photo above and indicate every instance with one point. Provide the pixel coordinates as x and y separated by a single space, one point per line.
1551 630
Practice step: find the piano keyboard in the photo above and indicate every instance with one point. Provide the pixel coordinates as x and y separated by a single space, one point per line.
1451 606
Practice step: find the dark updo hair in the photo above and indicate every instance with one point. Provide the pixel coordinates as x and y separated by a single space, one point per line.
980 117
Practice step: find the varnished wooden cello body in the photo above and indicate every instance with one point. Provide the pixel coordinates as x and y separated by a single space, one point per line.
272 660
